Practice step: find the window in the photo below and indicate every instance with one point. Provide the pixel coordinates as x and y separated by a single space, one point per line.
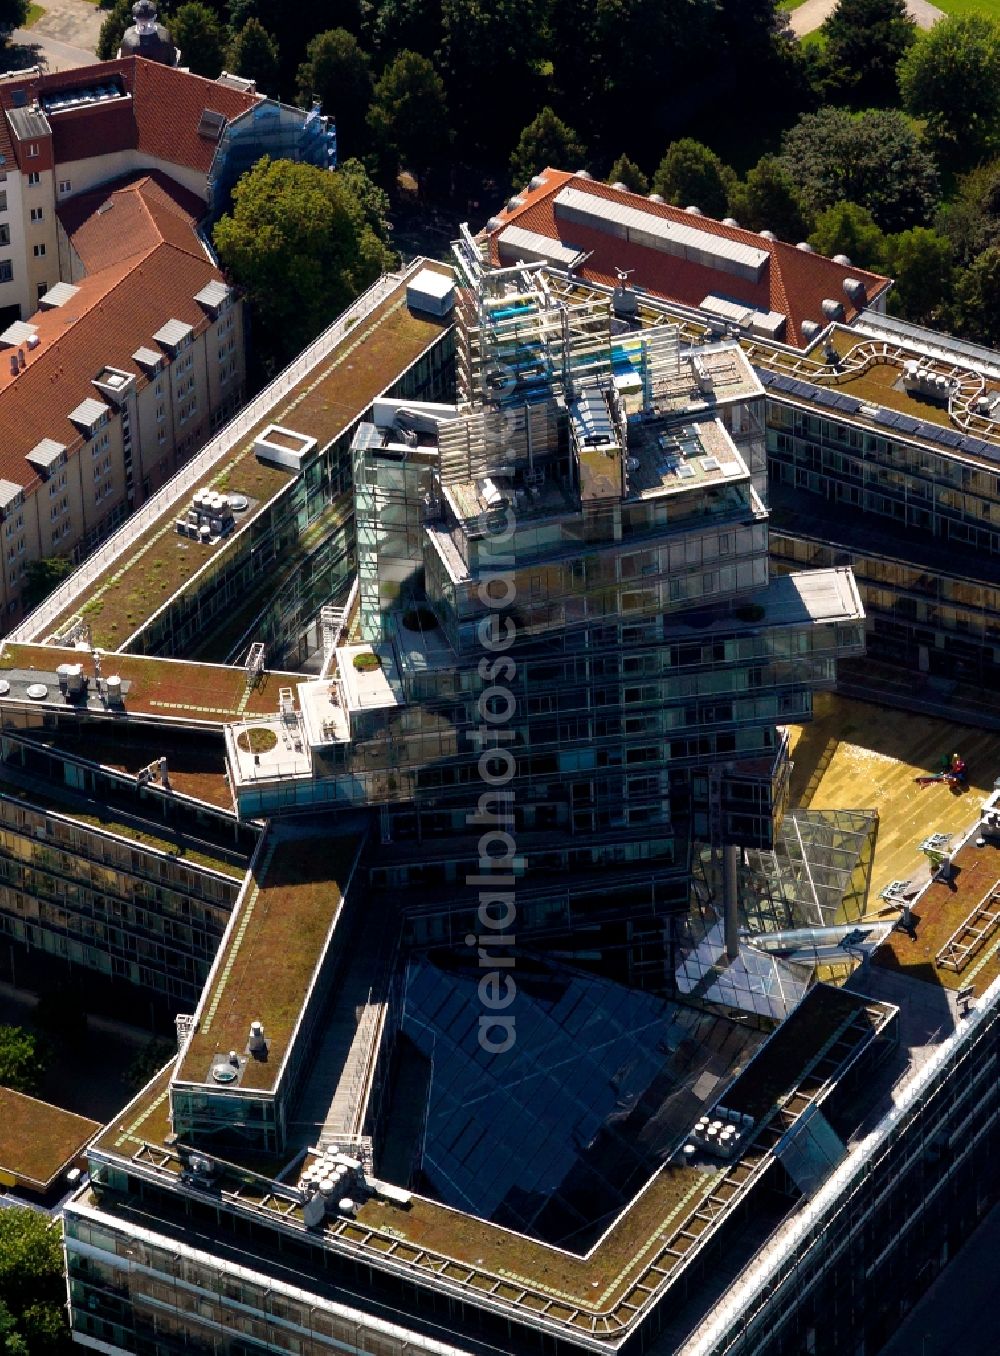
42 289
3 201
6 270
37 213
64 185
34 179
38 251
4 235
32 150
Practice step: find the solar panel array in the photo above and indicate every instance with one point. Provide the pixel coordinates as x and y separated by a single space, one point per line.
886 418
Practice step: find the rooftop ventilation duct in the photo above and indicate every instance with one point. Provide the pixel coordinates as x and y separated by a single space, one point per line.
809 330
768 235
856 292
833 310
619 187
730 221
656 197
584 174
805 247
494 223
515 202
693 211
842 259
536 181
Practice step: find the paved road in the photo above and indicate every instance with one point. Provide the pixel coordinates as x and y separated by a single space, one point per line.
65 36
810 15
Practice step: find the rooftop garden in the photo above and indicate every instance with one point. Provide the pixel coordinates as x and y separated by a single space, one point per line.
272 953
206 693
939 913
37 1139
159 562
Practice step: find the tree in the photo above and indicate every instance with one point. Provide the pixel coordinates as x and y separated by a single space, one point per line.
874 158
971 220
253 54
43 576
32 1288
200 37
692 175
545 141
846 228
921 262
976 306
13 14
627 172
491 51
109 40
298 241
951 78
409 116
373 201
768 200
337 72
864 42
22 1059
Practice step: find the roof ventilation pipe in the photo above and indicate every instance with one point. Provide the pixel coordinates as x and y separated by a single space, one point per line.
584 174
656 197
536 181
494 223
768 235
619 187
693 211
842 259
730 221
809 330
833 310
514 203
805 247
855 291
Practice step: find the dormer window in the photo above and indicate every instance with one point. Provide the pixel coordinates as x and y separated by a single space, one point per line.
32 149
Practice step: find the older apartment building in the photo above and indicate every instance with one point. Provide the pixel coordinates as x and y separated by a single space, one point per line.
121 347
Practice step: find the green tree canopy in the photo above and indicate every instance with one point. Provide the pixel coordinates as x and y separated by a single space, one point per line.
875 158
253 54
691 175
491 51
627 172
43 576
408 117
971 220
769 200
298 241
864 42
338 73
545 141
975 309
921 262
951 78
13 13
32 1288
22 1060
113 27
200 37
846 228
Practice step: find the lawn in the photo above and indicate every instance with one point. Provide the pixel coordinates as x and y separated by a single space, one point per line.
990 7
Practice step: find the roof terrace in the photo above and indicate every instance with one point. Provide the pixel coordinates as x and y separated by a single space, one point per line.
598 1295
39 1141
271 952
172 690
145 564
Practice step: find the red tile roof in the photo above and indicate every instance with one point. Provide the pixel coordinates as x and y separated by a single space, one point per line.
794 282
127 218
159 117
147 264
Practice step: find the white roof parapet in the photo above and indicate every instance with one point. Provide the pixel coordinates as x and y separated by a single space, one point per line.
683 241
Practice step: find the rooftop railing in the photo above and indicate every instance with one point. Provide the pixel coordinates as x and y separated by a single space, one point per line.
118 547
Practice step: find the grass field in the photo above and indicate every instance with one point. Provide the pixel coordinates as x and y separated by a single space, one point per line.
35 12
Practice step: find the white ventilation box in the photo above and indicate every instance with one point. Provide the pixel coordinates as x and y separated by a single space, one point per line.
283 447
431 292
